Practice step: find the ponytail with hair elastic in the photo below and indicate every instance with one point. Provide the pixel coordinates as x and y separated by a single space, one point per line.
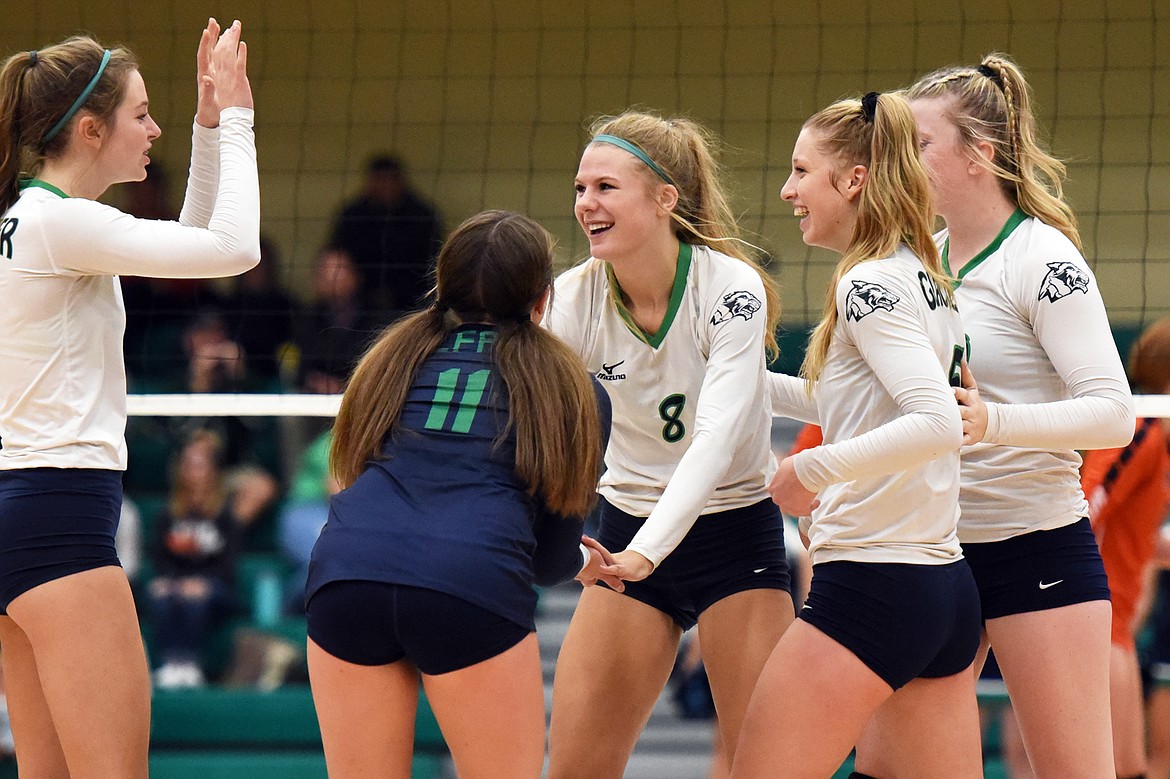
991 103
895 205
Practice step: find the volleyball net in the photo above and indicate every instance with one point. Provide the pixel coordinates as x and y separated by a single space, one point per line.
486 103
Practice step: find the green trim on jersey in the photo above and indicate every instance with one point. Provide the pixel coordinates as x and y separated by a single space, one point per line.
26 183
1014 221
681 269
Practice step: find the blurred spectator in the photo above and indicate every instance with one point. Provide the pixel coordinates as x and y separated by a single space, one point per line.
196 549
1128 490
335 331
259 314
392 235
305 510
215 363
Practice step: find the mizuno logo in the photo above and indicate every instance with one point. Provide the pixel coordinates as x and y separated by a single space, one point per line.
607 372
1046 585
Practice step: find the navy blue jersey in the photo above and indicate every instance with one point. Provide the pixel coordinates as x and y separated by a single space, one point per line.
443 508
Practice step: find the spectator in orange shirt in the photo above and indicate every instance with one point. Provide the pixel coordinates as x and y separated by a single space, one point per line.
1128 492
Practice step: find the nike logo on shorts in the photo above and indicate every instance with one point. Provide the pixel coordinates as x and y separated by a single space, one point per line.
760 570
1046 585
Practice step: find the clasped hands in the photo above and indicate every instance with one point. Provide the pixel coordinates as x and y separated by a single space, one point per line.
612 569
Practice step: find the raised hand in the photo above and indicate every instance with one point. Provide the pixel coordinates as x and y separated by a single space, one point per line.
222 71
207 109
971 407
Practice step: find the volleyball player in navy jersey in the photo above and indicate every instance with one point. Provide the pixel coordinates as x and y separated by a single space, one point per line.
892 612
469 445
1048 369
74 119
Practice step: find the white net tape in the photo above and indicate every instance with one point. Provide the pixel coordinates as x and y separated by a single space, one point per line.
199 405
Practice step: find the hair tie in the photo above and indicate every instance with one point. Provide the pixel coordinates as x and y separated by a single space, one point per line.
622 143
79 101
869 106
441 307
32 57
987 72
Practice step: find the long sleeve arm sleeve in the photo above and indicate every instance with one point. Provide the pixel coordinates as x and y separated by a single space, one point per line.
1074 332
790 399
895 346
203 179
730 388
86 237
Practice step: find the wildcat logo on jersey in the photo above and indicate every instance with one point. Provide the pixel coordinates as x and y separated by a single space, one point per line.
735 304
867 297
1062 280
607 372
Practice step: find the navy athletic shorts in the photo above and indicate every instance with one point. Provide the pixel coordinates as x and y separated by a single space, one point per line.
722 554
903 621
374 623
55 522
1037 571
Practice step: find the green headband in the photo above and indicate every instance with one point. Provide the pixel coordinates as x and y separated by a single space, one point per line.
79 101
622 143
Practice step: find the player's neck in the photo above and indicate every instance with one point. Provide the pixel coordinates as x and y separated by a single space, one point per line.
972 227
74 177
648 278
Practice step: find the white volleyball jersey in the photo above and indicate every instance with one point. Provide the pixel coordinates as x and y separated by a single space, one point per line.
62 374
1045 361
888 472
691 427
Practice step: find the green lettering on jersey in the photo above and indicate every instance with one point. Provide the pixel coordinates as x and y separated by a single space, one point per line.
468 403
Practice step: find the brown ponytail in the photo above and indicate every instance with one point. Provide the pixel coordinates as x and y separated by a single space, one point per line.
37 90
495 267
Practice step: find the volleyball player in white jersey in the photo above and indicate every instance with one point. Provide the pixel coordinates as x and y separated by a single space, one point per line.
1043 355
673 316
74 119
892 612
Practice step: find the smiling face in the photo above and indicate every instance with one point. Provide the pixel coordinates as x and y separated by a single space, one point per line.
821 194
618 206
948 160
128 135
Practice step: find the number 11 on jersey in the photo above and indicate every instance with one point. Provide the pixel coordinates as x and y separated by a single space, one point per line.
468 403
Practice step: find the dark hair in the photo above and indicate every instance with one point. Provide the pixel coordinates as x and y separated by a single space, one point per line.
384 163
37 91
494 267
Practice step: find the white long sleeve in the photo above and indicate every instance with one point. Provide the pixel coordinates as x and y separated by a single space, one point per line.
789 398
203 178
84 237
895 346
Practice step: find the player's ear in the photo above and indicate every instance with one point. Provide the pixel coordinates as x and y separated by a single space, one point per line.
854 181
90 129
982 155
667 197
